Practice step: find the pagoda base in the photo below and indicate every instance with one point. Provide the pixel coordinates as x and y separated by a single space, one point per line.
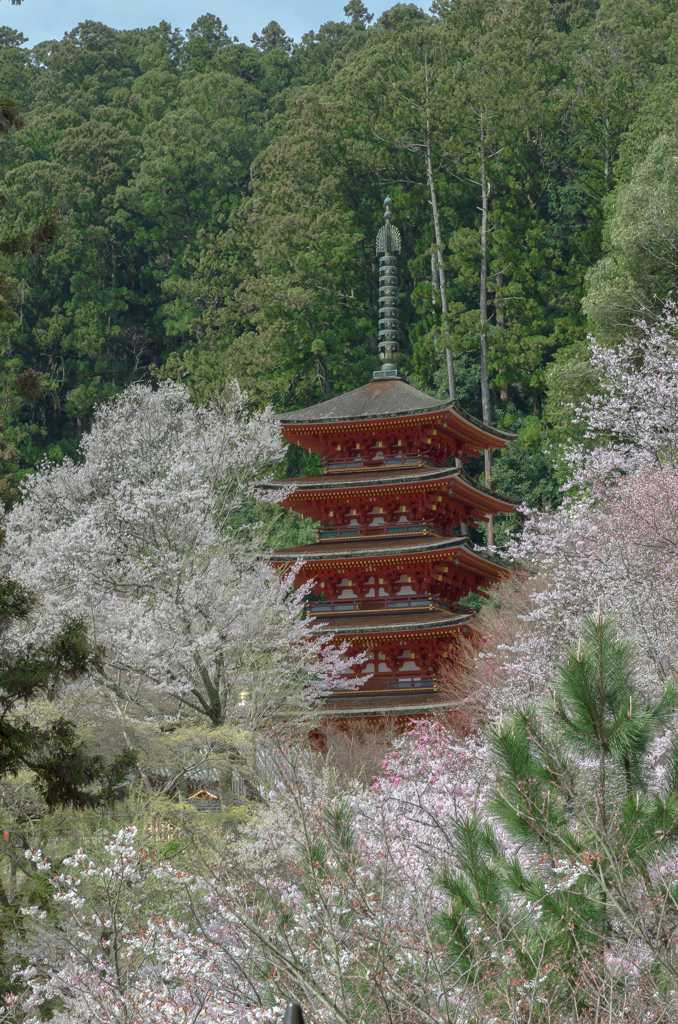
368 704
387 375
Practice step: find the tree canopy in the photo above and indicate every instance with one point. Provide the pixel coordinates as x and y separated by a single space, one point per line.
64 770
184 205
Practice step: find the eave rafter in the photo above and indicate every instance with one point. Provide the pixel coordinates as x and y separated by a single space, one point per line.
441 497
443 575
392 557
382 444
436 640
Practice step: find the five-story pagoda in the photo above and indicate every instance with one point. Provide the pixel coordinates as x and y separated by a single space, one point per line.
393 506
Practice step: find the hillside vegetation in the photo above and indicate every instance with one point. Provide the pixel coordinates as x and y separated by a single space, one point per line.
187 229
186 205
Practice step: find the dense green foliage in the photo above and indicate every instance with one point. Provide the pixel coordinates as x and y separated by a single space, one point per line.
585 833
215 206
64 770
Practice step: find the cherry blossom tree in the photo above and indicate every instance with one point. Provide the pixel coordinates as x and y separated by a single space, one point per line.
418 899
637 404
327 896
612 542
107 968
614 547
137 541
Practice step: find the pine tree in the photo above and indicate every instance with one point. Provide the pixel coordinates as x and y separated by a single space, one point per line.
272 35
64 770
578 868
358 13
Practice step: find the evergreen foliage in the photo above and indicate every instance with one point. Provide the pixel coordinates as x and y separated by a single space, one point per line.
186 205
641 239
64 770
574 856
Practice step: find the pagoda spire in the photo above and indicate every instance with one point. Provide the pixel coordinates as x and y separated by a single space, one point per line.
388 245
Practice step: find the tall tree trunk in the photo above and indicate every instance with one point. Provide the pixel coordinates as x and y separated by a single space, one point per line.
484 367
369 306
500 310
500 316
439 244
450 375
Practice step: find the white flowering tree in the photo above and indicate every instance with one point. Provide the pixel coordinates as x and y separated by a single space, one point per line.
614 548
612 543
137 540
467 884
637 407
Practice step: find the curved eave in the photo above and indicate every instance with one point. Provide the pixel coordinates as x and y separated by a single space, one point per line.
445 549
368 479
463 486
401 629
473 493
449 416
459 416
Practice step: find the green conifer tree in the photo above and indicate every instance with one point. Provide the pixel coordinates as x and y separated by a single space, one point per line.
64 770
580 886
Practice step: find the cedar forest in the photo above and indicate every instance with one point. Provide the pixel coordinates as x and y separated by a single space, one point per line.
187 206
187 247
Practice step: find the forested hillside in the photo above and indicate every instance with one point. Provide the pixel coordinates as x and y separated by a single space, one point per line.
188 832
214 206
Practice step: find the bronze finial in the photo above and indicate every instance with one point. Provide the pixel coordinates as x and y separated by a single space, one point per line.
388 244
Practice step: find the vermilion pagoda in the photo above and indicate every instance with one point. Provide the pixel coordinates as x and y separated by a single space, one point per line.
393 506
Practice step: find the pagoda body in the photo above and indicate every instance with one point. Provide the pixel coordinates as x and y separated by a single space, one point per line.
392 556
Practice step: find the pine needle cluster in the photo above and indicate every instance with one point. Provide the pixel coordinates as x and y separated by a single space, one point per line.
569 887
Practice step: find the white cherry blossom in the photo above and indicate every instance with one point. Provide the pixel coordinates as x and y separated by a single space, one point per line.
138 540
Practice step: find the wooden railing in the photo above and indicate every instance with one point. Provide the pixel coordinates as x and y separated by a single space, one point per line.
416 527
410 679
369 604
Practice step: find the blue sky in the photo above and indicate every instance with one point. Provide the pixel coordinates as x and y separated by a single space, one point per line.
49 19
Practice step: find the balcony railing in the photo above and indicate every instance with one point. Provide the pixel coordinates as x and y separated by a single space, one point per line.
374 604
417 682
369 459
380 530
409 679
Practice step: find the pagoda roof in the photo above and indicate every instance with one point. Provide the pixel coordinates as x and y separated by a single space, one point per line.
383 399
390 624
386 702
376 549
465 485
